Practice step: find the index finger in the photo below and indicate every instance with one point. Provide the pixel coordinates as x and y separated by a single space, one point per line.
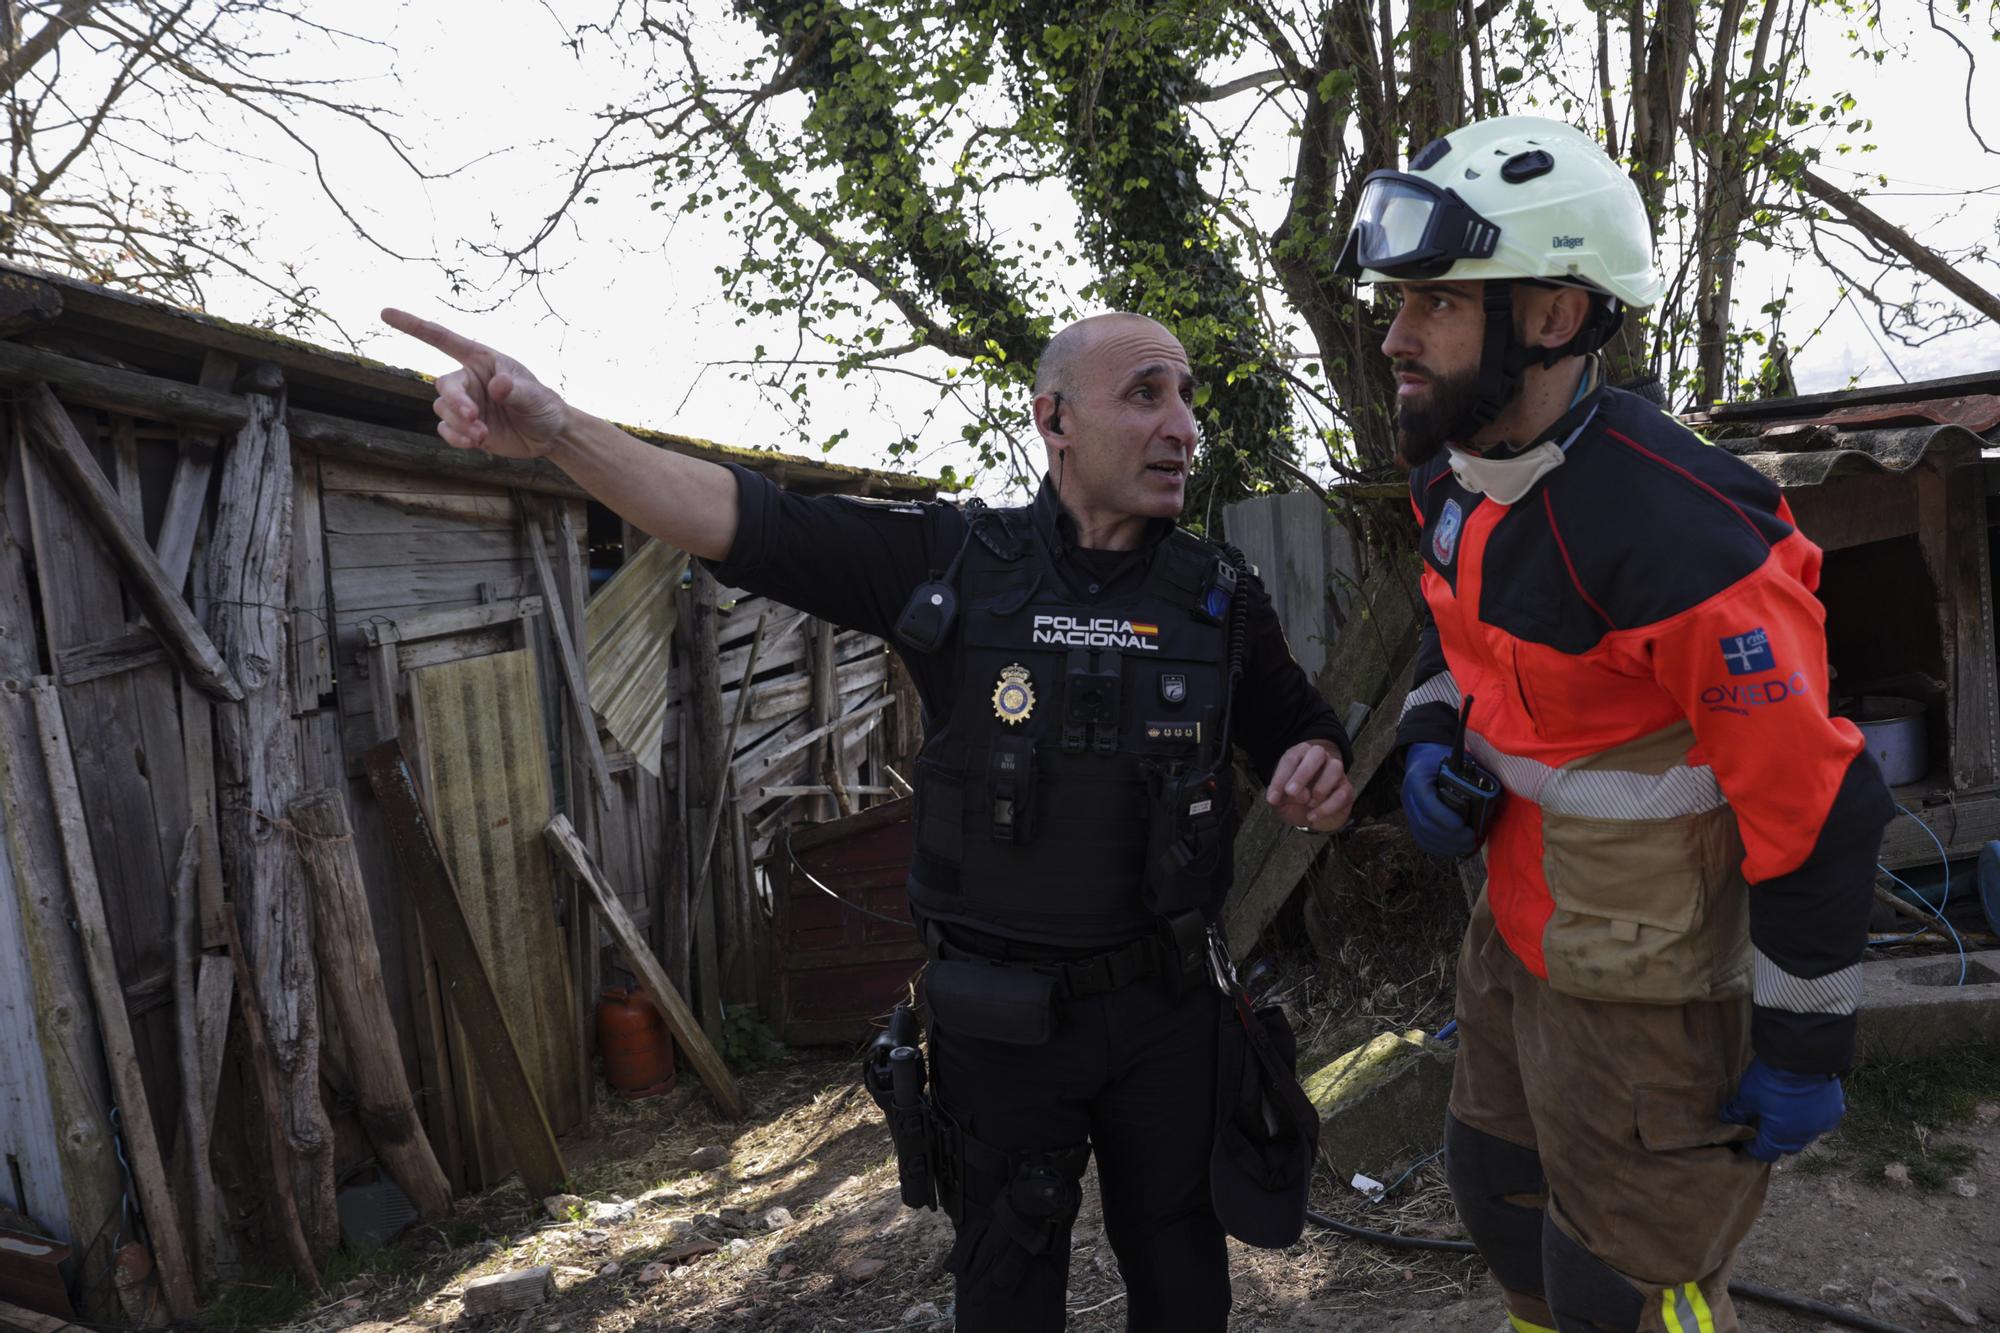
454 345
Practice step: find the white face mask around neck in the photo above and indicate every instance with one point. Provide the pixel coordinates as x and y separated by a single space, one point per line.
1505 480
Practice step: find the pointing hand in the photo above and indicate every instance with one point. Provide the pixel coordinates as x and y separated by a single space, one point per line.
492 402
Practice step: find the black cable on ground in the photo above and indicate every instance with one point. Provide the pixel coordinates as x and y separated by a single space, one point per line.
1748 1290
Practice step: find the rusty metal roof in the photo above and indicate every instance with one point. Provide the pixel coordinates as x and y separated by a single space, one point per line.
1805 440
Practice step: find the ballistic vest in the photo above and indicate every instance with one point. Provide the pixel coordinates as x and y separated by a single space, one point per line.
1038 795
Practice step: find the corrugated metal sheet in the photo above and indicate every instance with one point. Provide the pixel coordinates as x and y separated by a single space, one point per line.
1841 452
627 629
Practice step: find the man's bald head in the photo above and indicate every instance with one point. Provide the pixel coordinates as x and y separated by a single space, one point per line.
1063 359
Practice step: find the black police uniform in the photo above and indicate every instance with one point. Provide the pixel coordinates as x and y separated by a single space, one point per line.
1075 688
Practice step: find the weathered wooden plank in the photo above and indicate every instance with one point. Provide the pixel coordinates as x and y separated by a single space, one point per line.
473 996
388 447
410 967
51 1069
380 588
434 624
109 657
125 744
435 546
1284 538
371 480
312 616
352 969
575 684
695 631
479 726
356 513
384 684
188 495
1252 907
573 580
246 570
187 1040
1951 525
121 1058
680 1020
50 429
456 648
26 302
264 1061
215 988
121 390
198 761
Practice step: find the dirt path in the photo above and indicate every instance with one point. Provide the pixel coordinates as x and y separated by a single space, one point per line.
657 1242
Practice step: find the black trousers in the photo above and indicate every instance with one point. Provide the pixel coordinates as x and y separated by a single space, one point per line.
1133 1072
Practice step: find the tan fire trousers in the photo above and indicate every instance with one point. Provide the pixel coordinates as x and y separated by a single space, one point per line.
1621 1101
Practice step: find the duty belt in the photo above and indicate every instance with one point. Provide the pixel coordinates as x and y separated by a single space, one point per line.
1179 948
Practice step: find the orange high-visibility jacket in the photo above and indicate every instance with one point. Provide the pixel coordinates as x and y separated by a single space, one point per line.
1648 664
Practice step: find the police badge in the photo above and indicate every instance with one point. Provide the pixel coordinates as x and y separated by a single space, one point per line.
1013 697
1173 687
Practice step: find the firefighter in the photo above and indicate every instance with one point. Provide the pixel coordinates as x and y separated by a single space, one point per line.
1657 989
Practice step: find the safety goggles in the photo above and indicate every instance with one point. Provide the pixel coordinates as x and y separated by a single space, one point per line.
1409 228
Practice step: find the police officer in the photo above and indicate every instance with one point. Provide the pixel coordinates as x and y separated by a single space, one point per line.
1083 663
1656 994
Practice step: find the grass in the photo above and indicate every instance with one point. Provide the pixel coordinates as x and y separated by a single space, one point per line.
269 1298
1897 1108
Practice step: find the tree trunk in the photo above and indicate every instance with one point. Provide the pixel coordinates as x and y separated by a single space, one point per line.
257 774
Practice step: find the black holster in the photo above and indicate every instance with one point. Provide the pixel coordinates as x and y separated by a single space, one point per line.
926 1139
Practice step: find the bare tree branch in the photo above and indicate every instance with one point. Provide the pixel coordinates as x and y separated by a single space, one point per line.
1971 68
1237 85
24 57
1887 234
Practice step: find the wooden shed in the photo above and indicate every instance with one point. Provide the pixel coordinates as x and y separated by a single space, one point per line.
232 566
1893 483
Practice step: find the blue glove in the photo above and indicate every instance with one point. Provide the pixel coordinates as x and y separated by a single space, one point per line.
1437 827
1789 1110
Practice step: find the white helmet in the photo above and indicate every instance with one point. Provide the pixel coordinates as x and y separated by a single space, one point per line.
1511 197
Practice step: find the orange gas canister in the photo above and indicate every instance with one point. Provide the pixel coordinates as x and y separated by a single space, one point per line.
638 1053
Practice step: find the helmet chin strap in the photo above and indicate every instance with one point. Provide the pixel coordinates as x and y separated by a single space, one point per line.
1504 358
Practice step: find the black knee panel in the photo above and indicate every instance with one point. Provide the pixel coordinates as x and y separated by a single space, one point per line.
1485 1175
1585 1294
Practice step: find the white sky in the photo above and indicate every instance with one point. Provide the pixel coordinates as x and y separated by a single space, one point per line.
631 323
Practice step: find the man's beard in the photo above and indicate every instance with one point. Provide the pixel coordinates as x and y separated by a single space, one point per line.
1445 416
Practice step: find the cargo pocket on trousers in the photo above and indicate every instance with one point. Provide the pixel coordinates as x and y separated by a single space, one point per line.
1674 1118
1643 910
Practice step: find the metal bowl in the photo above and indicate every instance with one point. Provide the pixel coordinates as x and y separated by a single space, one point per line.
1894 731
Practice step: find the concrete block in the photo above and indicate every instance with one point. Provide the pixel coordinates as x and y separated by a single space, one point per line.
1916 1006
1382 1104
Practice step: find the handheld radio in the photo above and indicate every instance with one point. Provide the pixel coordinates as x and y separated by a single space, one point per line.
1463 785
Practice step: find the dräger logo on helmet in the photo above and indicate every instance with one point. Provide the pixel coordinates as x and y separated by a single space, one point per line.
1566 242
1096 632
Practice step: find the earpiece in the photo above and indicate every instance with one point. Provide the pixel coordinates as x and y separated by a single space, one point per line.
1055 417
